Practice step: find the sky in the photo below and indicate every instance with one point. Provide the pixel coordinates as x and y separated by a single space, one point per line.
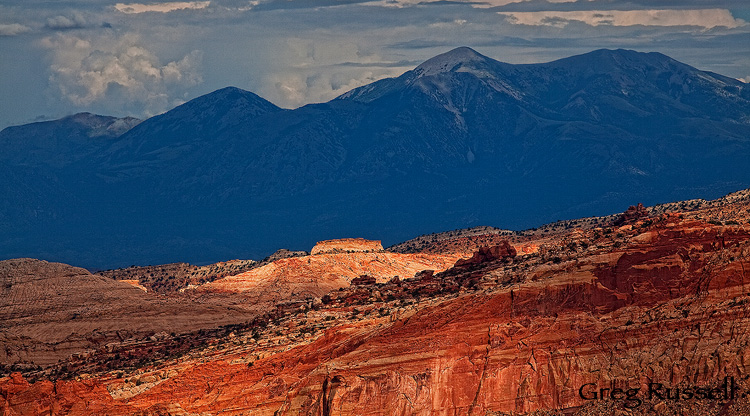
140 59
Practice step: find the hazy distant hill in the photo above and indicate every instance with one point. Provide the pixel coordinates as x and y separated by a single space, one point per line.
460 141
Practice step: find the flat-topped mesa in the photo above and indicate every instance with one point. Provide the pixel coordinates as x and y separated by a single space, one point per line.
343 245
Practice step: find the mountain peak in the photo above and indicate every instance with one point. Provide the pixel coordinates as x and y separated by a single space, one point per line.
451 61
232 93
231 90
230 102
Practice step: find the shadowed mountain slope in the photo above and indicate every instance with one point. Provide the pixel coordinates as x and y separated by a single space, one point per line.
462 140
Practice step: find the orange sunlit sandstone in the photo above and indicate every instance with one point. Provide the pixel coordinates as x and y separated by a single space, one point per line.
316 275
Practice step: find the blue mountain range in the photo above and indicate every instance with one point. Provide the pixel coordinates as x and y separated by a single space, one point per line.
462 140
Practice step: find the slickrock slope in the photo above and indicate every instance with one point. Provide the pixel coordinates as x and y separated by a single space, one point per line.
173 278
49 311
664 299
315 275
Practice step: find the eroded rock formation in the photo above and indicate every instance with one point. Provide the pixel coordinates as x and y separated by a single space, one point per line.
663 300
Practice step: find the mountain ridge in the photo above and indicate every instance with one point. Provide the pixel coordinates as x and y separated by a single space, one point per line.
444 146
84 131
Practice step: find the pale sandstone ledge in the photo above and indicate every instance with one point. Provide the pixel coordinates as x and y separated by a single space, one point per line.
343 245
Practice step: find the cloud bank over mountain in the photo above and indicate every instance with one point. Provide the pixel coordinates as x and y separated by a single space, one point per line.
306 51
119 69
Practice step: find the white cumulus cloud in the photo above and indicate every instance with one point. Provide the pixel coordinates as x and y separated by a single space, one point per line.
706 18
66 22
134 8
13 29
110 69
310 71
292 90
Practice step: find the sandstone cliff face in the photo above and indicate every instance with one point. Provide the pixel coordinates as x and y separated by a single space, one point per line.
344 245
663 300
